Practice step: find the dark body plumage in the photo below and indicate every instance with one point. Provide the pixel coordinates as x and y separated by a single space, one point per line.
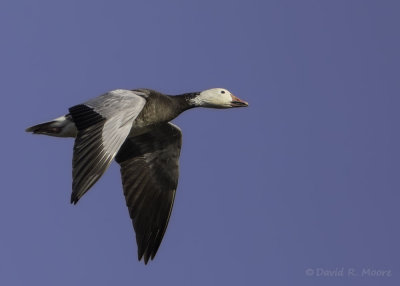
132 127
163 108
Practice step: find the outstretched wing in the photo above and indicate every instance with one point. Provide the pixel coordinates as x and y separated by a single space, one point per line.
103 124
150 170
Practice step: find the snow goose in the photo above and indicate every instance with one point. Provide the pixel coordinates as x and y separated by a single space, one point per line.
132 127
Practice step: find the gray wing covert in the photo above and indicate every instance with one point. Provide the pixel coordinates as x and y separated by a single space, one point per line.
150 170
103 124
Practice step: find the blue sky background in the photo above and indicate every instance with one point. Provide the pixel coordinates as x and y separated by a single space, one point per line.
307 177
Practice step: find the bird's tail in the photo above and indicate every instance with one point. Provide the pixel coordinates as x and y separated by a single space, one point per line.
60 127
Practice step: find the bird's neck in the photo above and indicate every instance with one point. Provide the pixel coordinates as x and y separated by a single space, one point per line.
185 101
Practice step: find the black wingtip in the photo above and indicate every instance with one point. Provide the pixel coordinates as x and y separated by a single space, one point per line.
74 199
145 255
145 259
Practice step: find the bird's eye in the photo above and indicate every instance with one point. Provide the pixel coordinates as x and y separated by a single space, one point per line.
222 91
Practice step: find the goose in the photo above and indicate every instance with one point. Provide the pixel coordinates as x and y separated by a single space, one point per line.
133 127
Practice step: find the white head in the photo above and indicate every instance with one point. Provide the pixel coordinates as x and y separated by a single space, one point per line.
217 98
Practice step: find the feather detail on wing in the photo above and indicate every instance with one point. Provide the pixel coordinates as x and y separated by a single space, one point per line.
103 124
150 170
